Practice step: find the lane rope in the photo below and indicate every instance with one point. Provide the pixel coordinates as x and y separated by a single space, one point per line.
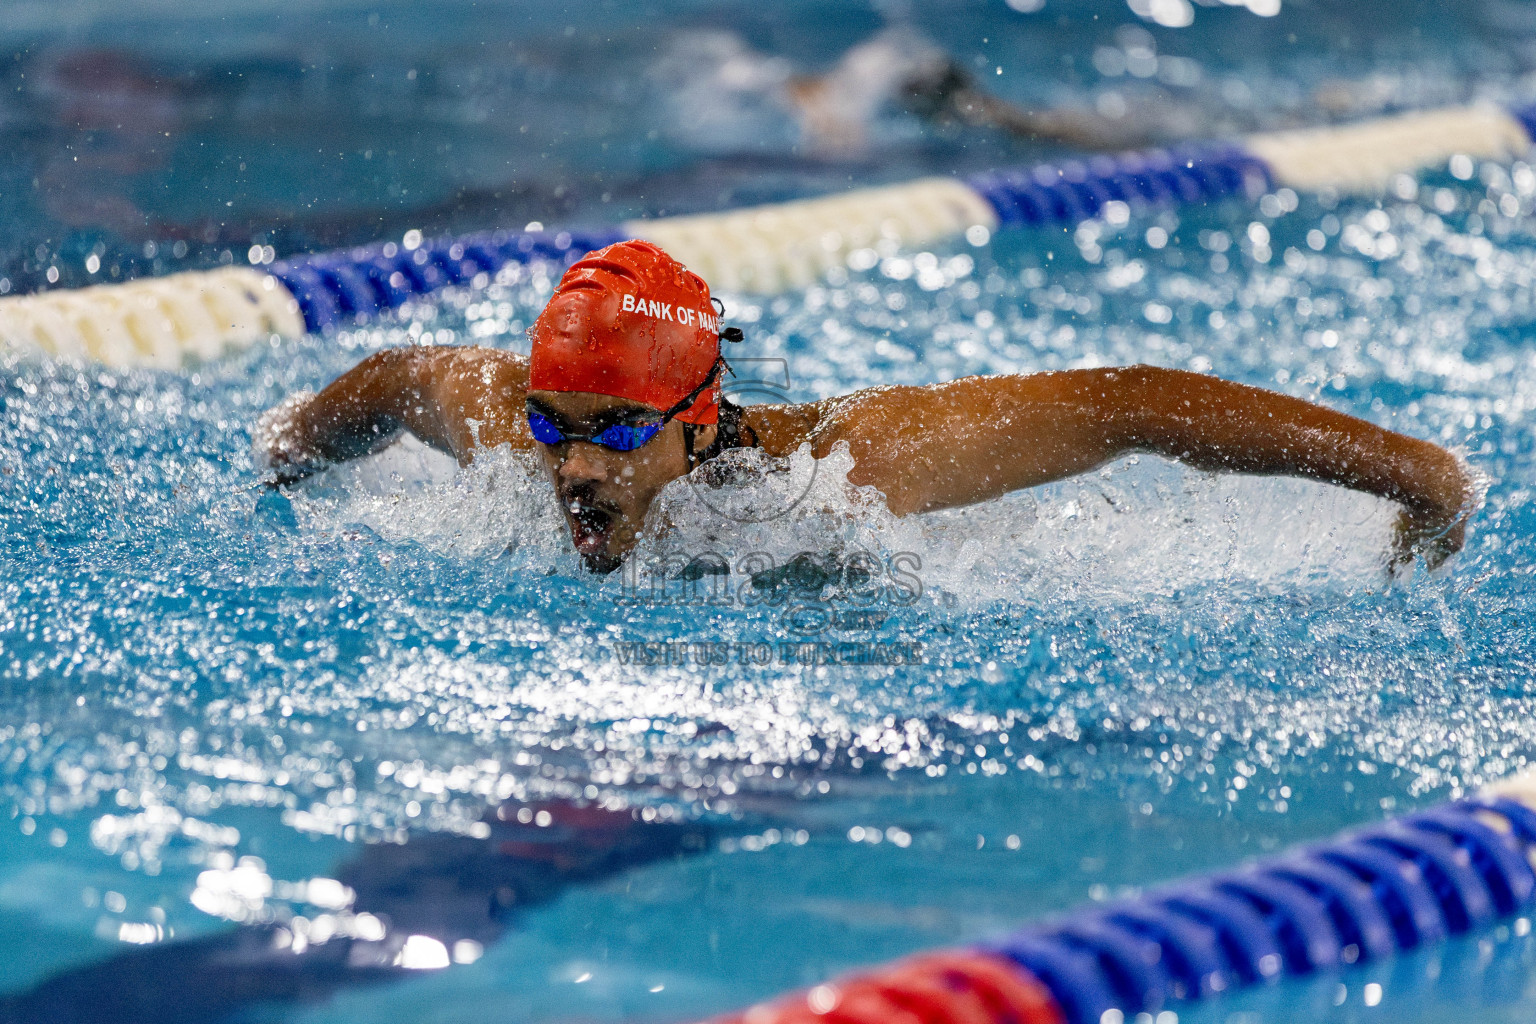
1359 898
199 315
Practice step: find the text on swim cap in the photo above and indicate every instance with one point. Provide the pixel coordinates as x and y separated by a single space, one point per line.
665 311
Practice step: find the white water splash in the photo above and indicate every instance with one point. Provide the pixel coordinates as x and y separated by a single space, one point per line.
499 503
1141 526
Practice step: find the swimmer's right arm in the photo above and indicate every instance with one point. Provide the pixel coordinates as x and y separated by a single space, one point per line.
454 399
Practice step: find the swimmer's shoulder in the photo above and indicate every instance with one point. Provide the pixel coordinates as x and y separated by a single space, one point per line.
487 366
781 429
481 393
474 375
869 414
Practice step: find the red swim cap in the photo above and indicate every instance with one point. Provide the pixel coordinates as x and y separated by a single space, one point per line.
632 322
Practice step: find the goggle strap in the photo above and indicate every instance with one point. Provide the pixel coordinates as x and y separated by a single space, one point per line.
687 401
692 396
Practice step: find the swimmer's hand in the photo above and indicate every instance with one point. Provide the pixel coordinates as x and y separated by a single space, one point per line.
277 444
1434 527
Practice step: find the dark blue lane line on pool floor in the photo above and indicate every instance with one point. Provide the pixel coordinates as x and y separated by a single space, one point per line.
438 886
1364 896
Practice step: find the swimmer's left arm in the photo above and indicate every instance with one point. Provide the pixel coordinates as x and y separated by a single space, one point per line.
980 437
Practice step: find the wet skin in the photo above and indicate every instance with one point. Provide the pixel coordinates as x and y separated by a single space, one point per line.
605 493
925 448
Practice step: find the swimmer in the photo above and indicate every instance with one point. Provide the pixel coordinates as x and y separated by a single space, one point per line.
621 395
720 93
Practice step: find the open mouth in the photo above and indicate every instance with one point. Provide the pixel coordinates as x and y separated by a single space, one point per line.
591 524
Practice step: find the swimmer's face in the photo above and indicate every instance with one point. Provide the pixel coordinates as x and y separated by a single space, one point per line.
605 493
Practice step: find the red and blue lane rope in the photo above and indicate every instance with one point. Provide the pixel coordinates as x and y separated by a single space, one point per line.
1359 898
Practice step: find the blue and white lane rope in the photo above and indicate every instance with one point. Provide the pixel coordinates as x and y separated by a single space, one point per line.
1362 897
201 314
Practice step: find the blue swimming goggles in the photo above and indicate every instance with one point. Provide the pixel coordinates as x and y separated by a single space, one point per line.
621 437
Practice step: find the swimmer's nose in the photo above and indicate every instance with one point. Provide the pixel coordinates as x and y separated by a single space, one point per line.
583 463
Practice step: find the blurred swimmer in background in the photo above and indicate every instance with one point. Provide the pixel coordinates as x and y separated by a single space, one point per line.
724 96
107 131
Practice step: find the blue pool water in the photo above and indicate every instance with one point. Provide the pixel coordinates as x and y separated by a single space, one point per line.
223 708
